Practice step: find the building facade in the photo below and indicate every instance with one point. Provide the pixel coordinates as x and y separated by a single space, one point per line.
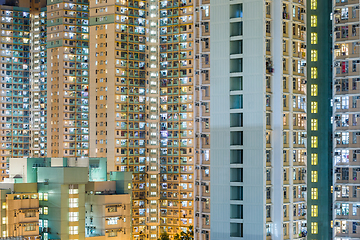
345 116
319 126
258 120
58 199
23 77
149 78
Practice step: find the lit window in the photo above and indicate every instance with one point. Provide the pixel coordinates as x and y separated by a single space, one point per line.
46 210
314 193
73 216
73 202
314 141
314 159
314 210
314 73
4 220
4 205
73 230
314 124
46 196
314 107
313 4
314 38
314 90
73 191
314 55
314 228
314 176
313 21
40 196
112 221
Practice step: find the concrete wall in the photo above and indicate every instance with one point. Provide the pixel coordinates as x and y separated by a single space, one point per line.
253 129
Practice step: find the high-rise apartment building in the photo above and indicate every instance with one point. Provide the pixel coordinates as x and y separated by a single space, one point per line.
346 97
258 120
23 80
137 92
68 78
149 108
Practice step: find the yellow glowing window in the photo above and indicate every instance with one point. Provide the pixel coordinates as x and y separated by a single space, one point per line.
4 205
314 38
314 141
314 210
313 21
314 124
46 210
314 159
314 107
40 196
314 193
46 195
314 73
314 176
314 228
4 220
314 55
313 4
314 90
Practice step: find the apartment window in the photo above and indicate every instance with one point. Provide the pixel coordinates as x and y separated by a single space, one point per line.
112 221
314 176
30 227
313 4
314 124
313 21
268 211
314 55
73 202
46 196
314 159
314 90
314 73
314 193
314 228
314 210
46 210
314 107
73 216
268 193
314 38
314 141
73 230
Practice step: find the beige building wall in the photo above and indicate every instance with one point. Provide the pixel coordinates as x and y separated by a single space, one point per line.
22 215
